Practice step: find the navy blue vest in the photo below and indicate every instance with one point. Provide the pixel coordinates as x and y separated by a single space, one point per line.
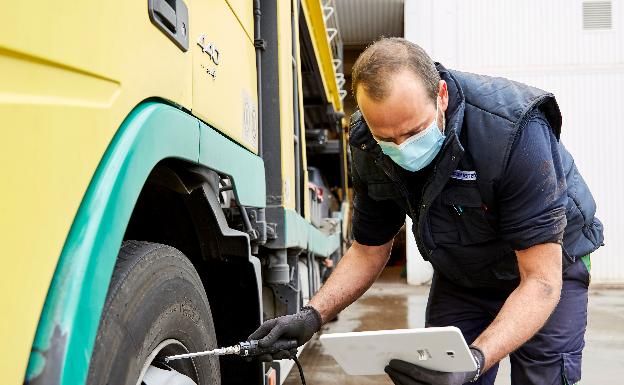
483 112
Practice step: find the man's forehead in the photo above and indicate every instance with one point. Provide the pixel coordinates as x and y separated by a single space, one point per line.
406 104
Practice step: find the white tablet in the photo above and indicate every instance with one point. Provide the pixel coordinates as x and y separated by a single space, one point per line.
365 353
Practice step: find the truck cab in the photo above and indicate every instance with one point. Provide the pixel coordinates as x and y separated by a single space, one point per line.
156 196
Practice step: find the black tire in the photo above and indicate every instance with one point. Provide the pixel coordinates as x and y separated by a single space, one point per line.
155 294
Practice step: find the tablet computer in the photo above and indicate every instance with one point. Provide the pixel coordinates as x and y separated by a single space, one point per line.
367 353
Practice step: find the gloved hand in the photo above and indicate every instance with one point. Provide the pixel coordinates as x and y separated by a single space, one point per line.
300 326
404 373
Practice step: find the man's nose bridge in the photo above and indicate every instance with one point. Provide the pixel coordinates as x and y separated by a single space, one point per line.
401 140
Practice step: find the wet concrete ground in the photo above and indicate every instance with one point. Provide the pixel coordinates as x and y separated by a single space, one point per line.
392 304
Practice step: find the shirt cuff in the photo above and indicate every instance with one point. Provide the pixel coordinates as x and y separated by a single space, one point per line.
548 228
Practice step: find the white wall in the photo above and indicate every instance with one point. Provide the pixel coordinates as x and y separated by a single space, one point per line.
542 43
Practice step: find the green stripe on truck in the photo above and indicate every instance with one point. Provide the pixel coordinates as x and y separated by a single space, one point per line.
71 314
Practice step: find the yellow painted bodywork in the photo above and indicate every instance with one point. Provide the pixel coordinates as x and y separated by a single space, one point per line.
285 72
313 13
220 100
70 72
243 10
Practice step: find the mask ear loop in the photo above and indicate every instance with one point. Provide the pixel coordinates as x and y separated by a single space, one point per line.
435 118
443 117
437 110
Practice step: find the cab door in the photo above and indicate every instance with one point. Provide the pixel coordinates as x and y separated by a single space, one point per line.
224 69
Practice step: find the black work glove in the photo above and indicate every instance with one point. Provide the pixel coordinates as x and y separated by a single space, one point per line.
300 326
404 373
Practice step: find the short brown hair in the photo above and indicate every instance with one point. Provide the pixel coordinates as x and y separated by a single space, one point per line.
389 56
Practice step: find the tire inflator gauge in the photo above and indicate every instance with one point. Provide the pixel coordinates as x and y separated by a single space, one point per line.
245 349
249 348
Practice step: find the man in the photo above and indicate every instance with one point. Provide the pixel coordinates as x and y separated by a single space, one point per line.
498 207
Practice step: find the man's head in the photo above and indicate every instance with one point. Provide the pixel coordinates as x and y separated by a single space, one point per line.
397 88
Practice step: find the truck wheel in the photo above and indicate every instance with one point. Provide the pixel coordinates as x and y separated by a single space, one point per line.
156 306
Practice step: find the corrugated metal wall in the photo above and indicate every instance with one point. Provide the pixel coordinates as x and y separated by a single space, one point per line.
363 21
543 43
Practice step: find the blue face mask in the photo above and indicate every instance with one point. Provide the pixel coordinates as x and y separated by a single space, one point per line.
419 150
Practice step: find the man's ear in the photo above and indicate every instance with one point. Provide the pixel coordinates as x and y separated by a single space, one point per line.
443 94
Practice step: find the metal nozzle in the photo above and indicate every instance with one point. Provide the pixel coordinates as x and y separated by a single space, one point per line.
215 352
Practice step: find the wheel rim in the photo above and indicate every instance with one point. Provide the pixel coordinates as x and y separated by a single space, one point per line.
168 348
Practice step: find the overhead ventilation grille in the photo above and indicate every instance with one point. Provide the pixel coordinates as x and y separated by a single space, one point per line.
597 15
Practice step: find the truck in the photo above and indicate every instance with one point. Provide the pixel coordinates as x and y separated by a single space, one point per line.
156 197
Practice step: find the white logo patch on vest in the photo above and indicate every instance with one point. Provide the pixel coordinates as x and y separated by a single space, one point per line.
464 175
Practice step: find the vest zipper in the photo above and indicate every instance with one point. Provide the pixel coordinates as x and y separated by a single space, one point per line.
421 247
423 207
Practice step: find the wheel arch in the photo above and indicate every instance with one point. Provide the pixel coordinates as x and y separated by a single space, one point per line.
188 216
151 133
